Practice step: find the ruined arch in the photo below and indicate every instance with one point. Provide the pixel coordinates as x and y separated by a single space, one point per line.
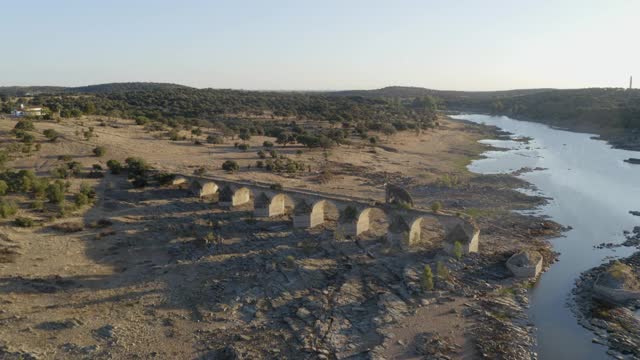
426 229
309 216
366 218
274 205
203 188
241 196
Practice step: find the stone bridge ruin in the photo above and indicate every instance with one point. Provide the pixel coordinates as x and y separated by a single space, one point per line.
353 216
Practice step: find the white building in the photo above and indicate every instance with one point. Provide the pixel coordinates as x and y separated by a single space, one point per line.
30 111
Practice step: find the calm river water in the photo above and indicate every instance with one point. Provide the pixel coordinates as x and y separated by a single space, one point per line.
592 190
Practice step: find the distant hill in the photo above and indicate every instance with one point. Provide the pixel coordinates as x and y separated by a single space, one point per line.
125 87
109 88
412 92
29 90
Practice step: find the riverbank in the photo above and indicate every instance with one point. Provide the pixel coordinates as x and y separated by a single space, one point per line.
613 324
626 139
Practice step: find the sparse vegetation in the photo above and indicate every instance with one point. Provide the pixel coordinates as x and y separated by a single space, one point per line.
7 208
427 278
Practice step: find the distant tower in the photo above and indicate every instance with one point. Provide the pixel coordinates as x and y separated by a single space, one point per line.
630 82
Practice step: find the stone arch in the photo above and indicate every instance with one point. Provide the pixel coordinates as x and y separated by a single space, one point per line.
275 205
425 229
241 196
203 188
309 216
354 222
230 197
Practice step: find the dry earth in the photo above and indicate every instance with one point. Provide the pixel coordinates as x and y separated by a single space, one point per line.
142 284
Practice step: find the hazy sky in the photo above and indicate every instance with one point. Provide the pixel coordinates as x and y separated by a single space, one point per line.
329 44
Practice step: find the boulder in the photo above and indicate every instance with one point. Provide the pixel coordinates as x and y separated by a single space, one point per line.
618 284
525 264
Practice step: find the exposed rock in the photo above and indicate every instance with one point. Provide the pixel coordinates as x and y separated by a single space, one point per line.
525 264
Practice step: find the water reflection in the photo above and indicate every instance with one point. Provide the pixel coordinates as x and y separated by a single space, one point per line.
592 190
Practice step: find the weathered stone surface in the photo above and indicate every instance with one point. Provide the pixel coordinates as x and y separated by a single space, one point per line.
525 264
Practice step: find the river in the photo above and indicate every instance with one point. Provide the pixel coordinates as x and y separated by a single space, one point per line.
592 190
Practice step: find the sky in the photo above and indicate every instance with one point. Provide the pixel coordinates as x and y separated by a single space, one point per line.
322 45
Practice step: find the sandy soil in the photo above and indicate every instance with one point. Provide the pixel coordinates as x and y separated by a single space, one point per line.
143 286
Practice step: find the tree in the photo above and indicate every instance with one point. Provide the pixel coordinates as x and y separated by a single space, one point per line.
427 278
230 166
55 192
267 144
115 166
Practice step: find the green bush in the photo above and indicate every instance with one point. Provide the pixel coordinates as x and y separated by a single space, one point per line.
243 147
436 206
230 165
55 192
443 271
24 125
81 199
7 208
100 151
137 166
24 222
114 166
215 139
3 187
51 134
262 155
427 278
457 250
267 144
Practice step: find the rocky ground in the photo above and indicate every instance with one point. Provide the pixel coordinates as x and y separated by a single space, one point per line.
614 325
156 273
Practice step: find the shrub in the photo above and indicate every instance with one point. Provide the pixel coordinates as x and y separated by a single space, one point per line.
55 192
28 138
436 206
259 164
290 261
114 166
243 147
267 144
3 187
230 165
199 171
37 205
136 166
215 139
7 208
276 186
457 250
164 178
100 151
443 271
81 199
262 154
139 181
141 120
273 153
427 278
51 134
24 125
65 158
24 222
87 190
